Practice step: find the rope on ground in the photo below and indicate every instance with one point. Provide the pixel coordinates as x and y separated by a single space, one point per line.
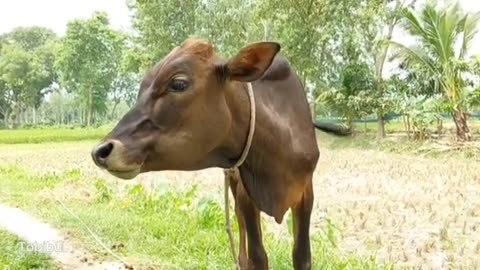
95 237
228 224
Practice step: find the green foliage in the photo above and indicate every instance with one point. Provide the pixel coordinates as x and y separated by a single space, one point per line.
331 232
211 214
104 193
89 58
315 51
15 255
29 38
157 35
444 38
237 20
355 97
26 70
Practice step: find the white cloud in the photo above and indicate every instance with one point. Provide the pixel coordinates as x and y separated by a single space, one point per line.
55 14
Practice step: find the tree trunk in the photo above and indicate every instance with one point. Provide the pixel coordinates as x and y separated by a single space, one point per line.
404 118
61 115
381 63
112 116
20 118
408 126
6 117
463 131
16 120
350 123
265 30
90 107
381 126
365 124
439 127
34 116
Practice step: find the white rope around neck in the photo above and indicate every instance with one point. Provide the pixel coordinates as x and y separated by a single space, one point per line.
251 129
246 149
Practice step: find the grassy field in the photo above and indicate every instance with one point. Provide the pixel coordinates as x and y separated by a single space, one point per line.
14 255
50 135
372 207
160 229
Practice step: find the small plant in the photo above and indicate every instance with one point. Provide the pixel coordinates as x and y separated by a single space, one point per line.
50 180
104 193
73 174
141 200
210 213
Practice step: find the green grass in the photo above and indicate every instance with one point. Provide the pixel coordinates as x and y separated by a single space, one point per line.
164 229
50 135
14 255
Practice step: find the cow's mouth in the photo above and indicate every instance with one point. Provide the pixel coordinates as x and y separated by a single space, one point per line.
126 175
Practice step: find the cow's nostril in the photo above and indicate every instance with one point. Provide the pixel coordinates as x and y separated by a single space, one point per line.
104 151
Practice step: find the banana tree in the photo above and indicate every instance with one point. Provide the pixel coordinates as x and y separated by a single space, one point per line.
443 40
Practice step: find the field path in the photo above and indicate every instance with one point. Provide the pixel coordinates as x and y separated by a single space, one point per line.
44 238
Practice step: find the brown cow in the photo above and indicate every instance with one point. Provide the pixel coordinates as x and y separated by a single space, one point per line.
193 112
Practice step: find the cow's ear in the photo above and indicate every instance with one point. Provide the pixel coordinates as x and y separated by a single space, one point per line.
252 61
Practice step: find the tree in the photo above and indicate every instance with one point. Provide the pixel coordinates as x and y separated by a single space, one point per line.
29 38
24 79
124 88
89 59
438 33
26 68
375 22
236 18
355 96
159 26
312 33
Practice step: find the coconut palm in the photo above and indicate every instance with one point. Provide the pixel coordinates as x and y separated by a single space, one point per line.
443 40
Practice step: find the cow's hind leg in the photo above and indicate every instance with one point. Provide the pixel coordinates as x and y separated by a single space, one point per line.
301 227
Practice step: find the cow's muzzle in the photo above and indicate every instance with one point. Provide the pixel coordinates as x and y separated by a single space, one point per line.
112 155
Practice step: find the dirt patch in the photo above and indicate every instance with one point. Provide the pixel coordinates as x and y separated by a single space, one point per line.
44 238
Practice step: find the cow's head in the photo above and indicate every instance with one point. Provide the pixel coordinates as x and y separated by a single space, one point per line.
181 119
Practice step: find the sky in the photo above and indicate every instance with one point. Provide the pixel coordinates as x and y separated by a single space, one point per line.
55 14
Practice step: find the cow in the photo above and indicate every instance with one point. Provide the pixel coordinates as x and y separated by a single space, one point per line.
194 111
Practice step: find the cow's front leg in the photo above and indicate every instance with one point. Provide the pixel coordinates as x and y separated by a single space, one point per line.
249 218
233 177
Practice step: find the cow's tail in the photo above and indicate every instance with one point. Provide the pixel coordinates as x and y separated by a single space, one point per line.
334 129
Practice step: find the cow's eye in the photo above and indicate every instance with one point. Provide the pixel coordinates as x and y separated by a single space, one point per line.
178 85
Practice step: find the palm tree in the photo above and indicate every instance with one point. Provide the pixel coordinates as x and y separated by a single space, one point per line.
443 40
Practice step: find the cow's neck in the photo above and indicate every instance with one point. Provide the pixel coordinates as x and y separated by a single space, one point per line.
251 128
239 105
264 164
